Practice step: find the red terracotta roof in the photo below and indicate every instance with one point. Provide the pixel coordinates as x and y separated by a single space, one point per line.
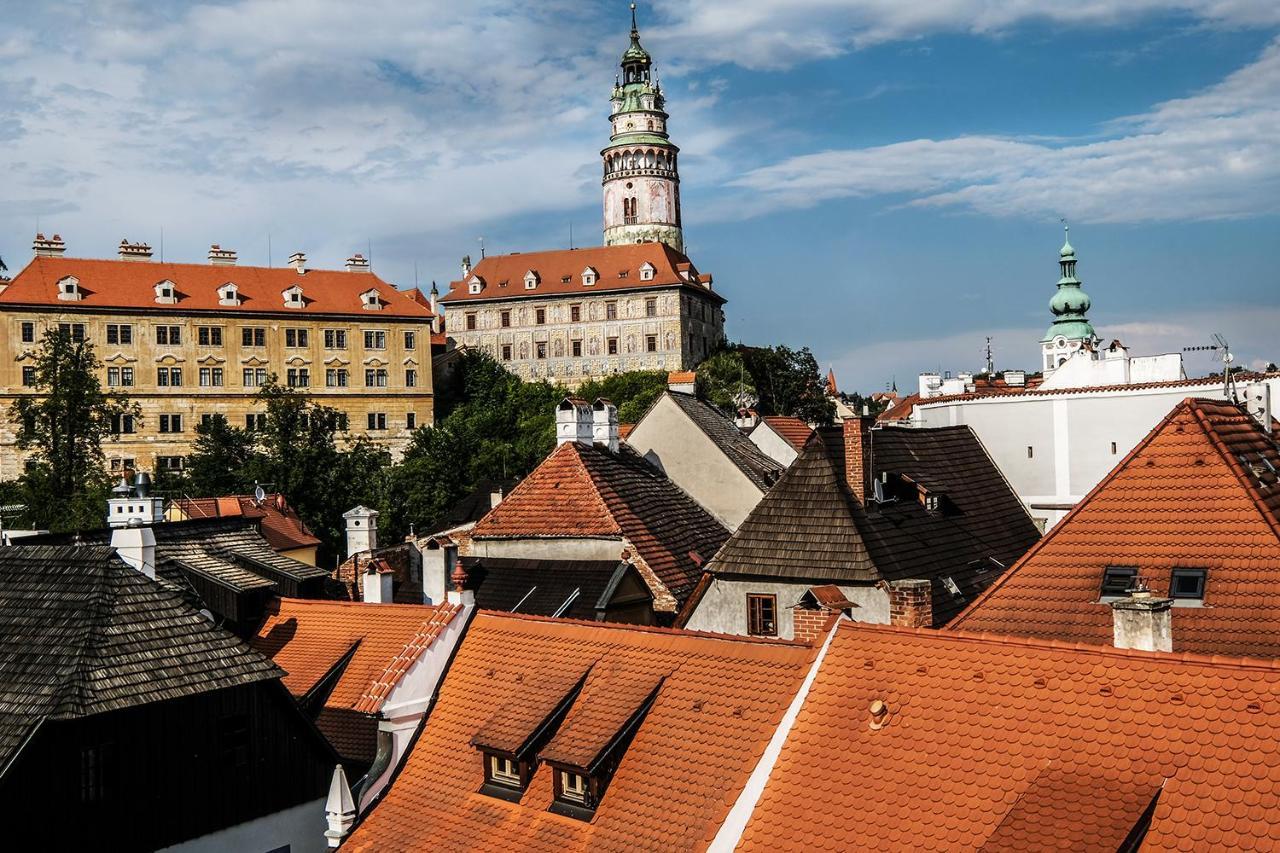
618 268
793 430
718 705
278 522
130 284
1182 498
901 410
581 491
624 430
830 596
1031 391
992 743
682 377
309 638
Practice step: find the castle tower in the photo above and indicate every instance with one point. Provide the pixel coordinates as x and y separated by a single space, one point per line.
1071 329
641 181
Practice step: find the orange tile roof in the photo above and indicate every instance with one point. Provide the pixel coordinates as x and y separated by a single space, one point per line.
682 377
618 268
308 638
793 430
130 284
279 523
719 703
581 491
901 410
992 743
624 430
1181 498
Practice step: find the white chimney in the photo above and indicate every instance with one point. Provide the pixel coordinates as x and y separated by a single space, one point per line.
1257 398
439 557
220 257
357 263
604 422
362 530
134 251
136 545
573 421
298 261
1142 622
134 506
1015 378
378 583
52 247
339 808
746 419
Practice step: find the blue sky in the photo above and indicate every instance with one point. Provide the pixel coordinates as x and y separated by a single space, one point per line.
879 180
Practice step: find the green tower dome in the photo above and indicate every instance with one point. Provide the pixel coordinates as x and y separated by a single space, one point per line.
1070 304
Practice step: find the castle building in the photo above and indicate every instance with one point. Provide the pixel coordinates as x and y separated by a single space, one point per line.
635 303
191 341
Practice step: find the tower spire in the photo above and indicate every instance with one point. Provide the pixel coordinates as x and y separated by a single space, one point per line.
635 31
1071 329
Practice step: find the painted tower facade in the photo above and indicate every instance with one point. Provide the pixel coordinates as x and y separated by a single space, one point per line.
1071 328
641 181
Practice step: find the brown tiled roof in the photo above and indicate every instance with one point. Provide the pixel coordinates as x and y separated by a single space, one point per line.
581 491
1198 492
809 527
718 705
618 268
793 430
760 468
829 595
277 521
83 633
992 743
130 284
309 639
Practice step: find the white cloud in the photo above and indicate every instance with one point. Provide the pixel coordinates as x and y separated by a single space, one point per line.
774 34
1214 154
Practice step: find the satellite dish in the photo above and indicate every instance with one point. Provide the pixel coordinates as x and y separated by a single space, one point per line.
259 494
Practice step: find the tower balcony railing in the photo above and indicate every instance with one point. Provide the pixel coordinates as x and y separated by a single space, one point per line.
642 171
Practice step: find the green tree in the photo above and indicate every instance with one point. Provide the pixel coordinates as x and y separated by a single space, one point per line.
789 383
63 425
633 392
222 460
723 381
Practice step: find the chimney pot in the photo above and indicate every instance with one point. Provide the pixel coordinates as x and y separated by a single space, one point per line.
134 251
856 452
604 423
357 263
574 421
220 257
298 260
52 247
1142 623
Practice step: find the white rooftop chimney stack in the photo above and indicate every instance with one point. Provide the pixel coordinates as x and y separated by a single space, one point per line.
1142 622
51 247
339 808
574 421
379 583
134 251
220 257
130 512
136 546
682 381
357 263
362 530
604 422
466 265
298 261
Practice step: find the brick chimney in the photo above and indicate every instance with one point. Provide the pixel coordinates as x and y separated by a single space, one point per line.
911 603
811 624
357 263
52 247
220 257
1142 621
134 251
857 460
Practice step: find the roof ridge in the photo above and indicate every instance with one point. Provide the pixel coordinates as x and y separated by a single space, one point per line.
1136 386
775 642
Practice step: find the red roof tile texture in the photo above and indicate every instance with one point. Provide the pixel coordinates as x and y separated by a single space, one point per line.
618 268
278 522
793 430
1001 744
1182 498
899 411
130 284
309 638
719 702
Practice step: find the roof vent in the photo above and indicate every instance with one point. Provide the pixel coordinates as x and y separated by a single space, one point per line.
879 714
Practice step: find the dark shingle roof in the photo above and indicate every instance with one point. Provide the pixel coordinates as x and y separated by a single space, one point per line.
759 467
541 587
810 527
82 633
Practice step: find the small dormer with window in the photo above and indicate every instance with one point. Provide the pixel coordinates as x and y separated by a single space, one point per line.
647 271
229 294
293 298
166 293
531 279
69 289
370 300
475 284
590 276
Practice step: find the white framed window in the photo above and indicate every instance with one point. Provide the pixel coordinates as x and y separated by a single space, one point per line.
531 279
229 294
293 298
370 301
646 271
166 292
69 289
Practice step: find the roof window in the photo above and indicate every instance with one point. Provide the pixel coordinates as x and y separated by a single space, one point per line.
1116 581
229 294
166 293
475 285
646 271
69 289
590 276
293 298
531 279
1187 584
370 301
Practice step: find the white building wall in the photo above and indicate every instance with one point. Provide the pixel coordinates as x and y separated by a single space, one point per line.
723 608
774 446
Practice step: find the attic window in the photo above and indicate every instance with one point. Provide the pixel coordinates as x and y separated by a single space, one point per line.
932 503
574 788
531 280
475 285
369 300
952 587
69 289
1187 584
646 271
505 776
565 279
228 294
293 298
166 293
1116 580
589 277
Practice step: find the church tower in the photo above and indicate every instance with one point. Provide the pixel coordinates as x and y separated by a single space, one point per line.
1071 328
641 183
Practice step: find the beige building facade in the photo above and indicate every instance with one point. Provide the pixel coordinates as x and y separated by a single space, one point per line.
191 341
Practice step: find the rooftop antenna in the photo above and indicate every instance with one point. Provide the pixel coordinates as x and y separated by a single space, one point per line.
570 233
1220 343
268 250
481 248
415 275
991 367
368 248
162 244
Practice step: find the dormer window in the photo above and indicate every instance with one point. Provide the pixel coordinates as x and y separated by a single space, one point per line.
574 788
932 503
229 294
475 285
646 271
166 293
589 277
370 301
293 298
531 279
69 289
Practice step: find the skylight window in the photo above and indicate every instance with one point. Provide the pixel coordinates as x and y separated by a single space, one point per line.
952 586
1116 580
1187 584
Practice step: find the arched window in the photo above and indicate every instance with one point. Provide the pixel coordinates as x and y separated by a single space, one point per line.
630 210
